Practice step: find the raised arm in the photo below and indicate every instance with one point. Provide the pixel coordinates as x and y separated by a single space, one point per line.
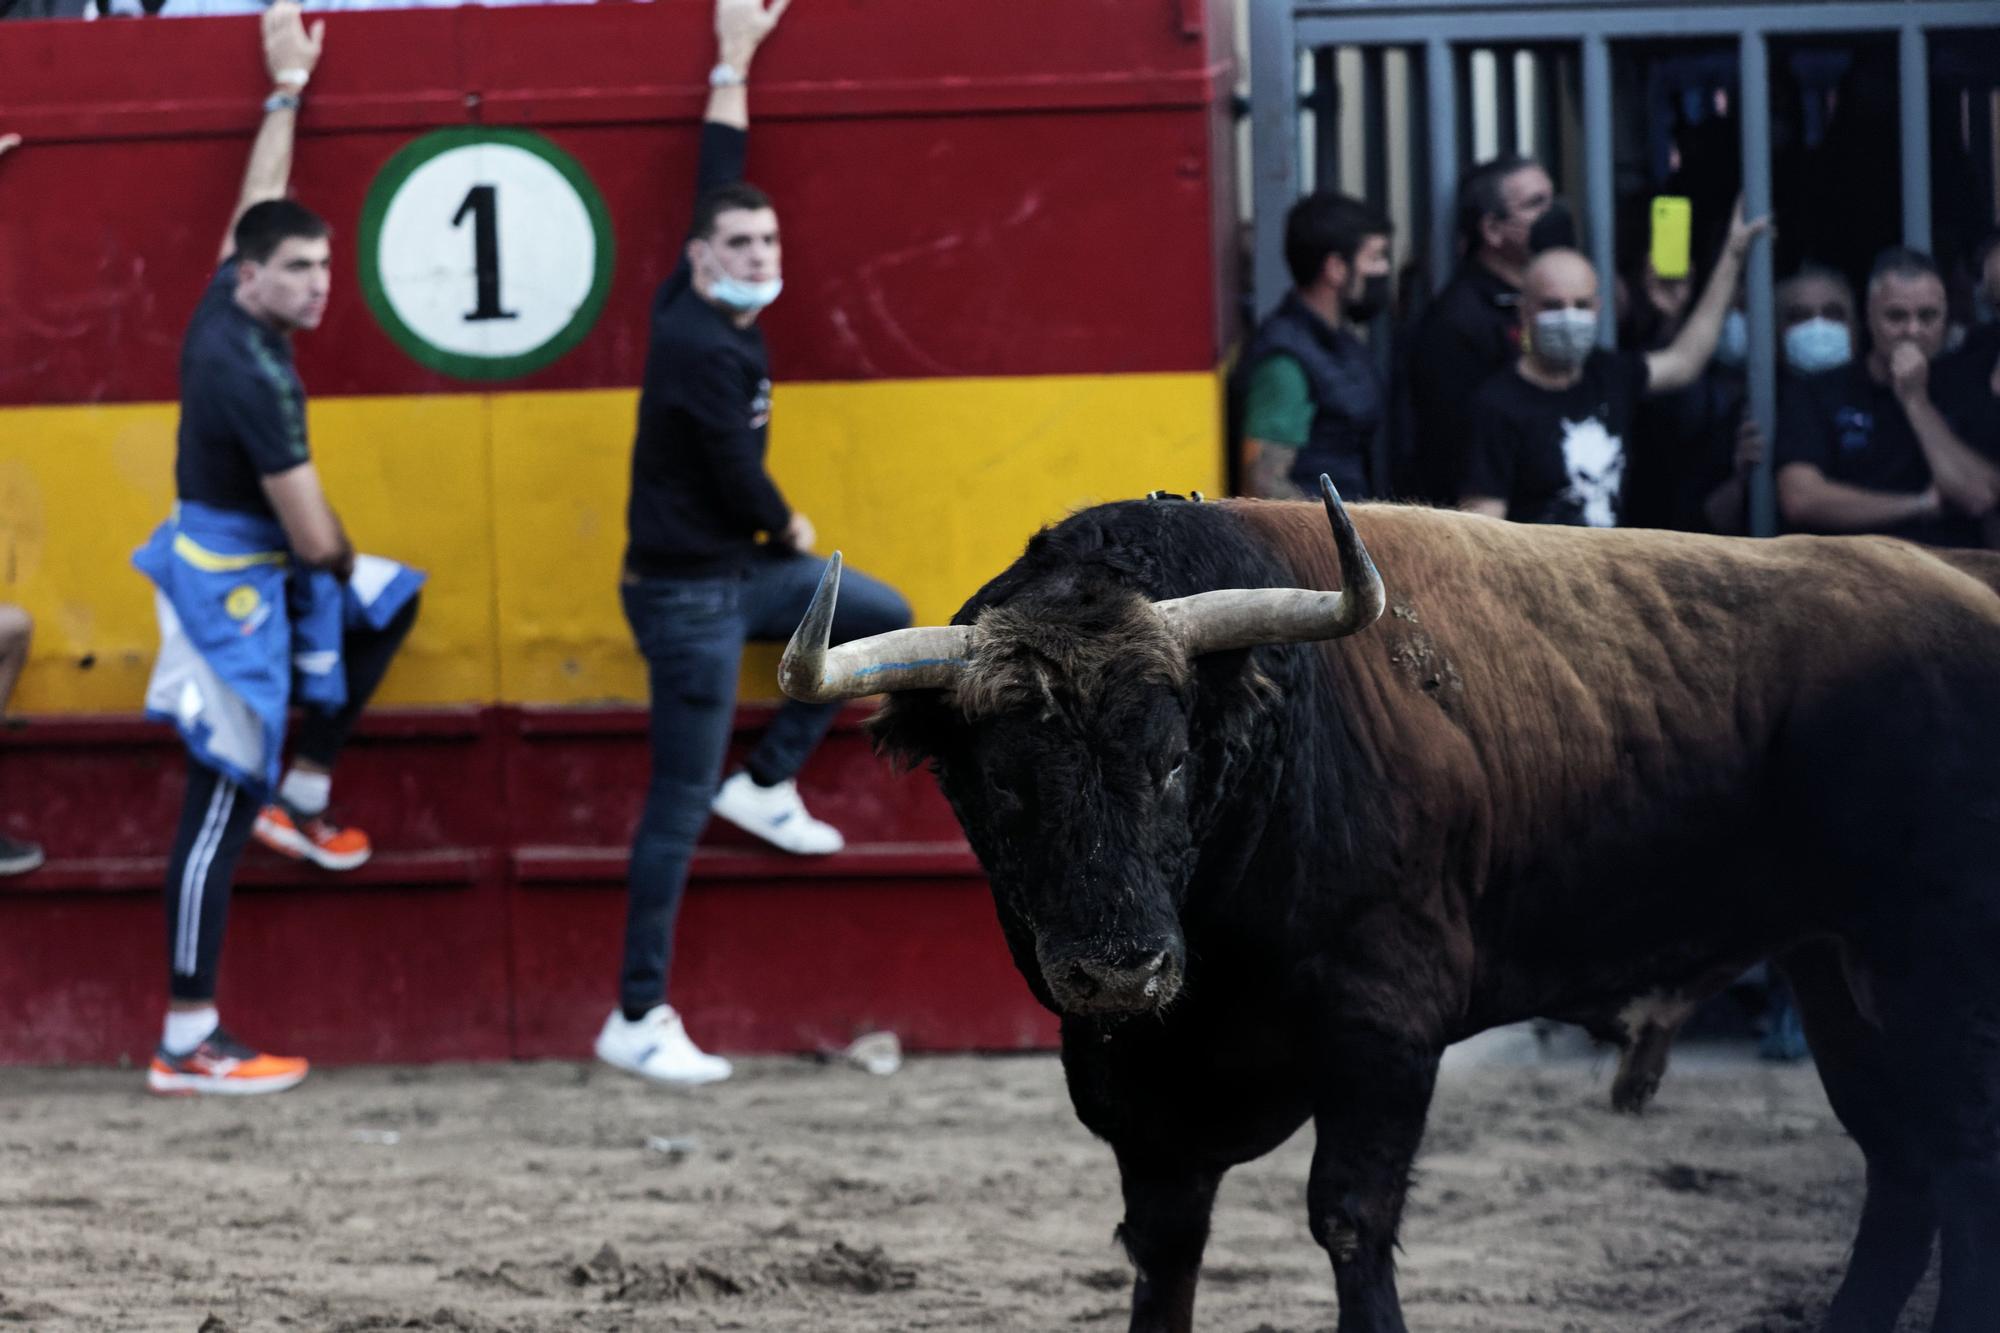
290 54
740 28
1681 362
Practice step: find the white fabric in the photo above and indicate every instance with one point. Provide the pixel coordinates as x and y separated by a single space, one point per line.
307 793
183 685
657 1047
187 1028
777 815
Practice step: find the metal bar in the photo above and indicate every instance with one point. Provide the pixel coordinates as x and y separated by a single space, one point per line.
1324 103
1441 113
1274 153
1424 206
1374 104
1754 95
1507 111
1597 176
1482 23
1914 86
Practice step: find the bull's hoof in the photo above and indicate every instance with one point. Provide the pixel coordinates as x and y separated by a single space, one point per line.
1632 1094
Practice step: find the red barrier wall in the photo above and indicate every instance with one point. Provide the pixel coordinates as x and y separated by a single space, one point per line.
488 923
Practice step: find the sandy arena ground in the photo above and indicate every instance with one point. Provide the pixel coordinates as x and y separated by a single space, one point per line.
958 1193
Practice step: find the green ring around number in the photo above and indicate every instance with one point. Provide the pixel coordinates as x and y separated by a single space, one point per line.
461 364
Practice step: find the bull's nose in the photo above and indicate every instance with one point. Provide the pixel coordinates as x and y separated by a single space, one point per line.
1100 984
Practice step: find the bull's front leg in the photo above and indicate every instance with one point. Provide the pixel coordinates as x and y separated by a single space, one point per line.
1373 1092
1167 1207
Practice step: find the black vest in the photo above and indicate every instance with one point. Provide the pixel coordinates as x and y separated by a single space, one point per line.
1347 397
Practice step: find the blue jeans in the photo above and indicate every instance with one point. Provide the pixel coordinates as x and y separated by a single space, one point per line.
691 633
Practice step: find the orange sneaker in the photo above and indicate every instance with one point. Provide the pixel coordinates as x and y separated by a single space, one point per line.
311 838
222 1064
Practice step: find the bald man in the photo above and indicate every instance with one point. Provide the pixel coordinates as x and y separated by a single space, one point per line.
1548 434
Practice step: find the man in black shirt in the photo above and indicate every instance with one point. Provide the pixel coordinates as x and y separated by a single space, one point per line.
1472 328
247 629
1548 436
1869 447
698 582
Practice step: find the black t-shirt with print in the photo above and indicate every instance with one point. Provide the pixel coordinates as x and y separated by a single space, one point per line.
1854 431
700 494
243 409
1556 455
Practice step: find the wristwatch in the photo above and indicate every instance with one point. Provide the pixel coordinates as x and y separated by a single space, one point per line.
281 101
725 76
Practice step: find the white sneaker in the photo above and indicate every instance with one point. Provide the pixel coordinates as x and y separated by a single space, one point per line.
658 1047
777 815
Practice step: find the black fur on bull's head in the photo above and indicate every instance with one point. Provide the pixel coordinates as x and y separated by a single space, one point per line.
1088 713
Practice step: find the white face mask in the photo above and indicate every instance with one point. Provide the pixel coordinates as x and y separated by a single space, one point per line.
744 297
1564 338
1818 344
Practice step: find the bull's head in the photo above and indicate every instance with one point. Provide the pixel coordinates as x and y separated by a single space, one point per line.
1067 728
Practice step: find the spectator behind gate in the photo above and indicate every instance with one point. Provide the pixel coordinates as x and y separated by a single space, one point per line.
1692 449
1507 213
1307 395
1969 378
1548 435
698 582
1875 446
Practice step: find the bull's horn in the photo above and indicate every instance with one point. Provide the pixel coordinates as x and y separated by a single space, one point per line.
1213 622
904 659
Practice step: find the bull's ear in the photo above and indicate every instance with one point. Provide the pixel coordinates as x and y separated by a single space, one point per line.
914 727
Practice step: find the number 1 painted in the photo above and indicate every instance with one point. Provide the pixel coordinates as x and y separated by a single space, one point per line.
483 202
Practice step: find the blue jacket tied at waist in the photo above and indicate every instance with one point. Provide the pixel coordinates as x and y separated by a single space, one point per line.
245 631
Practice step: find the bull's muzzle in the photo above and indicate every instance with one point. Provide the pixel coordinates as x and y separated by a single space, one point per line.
1135 982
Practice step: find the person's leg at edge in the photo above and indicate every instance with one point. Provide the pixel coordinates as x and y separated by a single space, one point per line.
763 797
196 1054
692 638
17 628
296 824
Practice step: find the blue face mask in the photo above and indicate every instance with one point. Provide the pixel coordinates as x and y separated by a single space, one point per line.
1732 349
744 297
1818 344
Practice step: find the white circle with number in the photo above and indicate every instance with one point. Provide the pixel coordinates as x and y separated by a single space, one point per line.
485 253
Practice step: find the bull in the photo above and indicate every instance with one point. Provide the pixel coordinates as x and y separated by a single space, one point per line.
1267 850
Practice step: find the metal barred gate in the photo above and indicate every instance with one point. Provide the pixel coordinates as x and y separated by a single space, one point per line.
1393 99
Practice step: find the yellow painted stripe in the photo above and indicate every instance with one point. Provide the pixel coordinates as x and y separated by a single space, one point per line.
515 503
215 562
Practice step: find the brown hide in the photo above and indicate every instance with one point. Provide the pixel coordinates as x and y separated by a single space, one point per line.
1532 688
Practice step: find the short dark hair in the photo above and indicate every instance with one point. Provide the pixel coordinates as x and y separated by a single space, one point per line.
1324 223
1900 261
720 199
266 226
1480 195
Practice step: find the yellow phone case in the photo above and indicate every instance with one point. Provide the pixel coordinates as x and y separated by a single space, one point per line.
1673 218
